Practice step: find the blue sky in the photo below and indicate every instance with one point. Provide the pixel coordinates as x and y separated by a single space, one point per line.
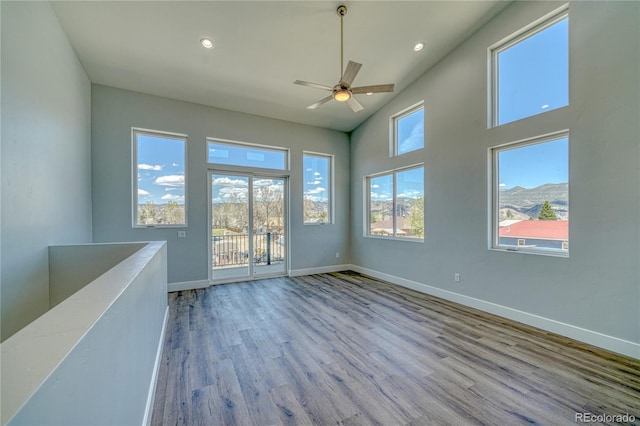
411 132
534 165
410 185
232 188
533 78
533 75
316 178
160 169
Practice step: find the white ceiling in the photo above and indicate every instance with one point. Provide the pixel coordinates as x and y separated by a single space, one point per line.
261 47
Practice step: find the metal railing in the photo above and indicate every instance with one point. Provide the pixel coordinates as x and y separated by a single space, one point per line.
232 250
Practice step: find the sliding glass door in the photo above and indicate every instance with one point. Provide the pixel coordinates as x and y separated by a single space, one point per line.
248 226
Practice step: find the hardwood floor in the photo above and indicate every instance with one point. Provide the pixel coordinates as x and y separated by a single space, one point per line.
344 348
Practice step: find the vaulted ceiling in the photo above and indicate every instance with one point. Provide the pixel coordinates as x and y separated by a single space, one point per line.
261 47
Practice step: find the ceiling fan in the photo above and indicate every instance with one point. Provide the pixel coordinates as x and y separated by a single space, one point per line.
343 92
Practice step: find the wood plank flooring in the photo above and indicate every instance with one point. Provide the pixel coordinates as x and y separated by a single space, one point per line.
347 349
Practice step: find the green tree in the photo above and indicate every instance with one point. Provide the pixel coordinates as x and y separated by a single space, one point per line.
146 213
416 218
547 213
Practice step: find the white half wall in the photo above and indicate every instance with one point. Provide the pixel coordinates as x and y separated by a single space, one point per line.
92 359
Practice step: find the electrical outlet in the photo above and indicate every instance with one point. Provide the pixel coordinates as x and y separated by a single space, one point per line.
337 255
456 277
182 234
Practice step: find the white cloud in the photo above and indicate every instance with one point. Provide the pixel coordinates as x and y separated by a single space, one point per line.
316 173
309 169
315 191
227 181
175 164
502 185
143 193
375 195
171 197
170 180
149 167
375 186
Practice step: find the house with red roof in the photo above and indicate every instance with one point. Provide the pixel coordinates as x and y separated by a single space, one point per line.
553 234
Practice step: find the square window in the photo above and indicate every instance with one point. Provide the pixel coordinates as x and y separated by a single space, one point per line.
531 71
396 204
318 185
531 195
159 179
408 130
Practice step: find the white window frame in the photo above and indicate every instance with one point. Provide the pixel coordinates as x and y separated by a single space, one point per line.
393 128
135 131
243 168
330 187
367 206
535 27
494 189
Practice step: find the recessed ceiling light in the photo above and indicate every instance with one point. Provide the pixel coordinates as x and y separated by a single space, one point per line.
369 93
419 46
206 42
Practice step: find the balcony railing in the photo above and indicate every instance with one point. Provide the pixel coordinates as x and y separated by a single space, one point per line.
233 250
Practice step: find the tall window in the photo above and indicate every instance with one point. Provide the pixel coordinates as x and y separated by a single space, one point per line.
531 195
408 130
396 204
318 183
159 179
530 70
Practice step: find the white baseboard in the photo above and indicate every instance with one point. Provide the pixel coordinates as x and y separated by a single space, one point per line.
595 338
148 412
318 270
187 285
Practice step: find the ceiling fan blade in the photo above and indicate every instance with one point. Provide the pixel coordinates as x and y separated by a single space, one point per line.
378 88
310 84
320 102
355 105
350 73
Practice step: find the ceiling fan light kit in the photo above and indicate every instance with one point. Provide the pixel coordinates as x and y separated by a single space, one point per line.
343 92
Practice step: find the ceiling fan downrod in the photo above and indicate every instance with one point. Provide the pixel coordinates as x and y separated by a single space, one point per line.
342 10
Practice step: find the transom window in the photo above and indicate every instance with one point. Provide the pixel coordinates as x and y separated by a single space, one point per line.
247 155
408 130
530 70
531 195
318 188
395 207
159 170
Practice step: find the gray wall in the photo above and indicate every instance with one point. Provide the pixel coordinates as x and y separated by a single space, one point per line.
71 267
46 170
597 288
115 111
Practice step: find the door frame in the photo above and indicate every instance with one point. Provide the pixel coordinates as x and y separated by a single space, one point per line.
250 174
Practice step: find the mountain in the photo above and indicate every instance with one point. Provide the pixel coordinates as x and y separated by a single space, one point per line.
523 203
